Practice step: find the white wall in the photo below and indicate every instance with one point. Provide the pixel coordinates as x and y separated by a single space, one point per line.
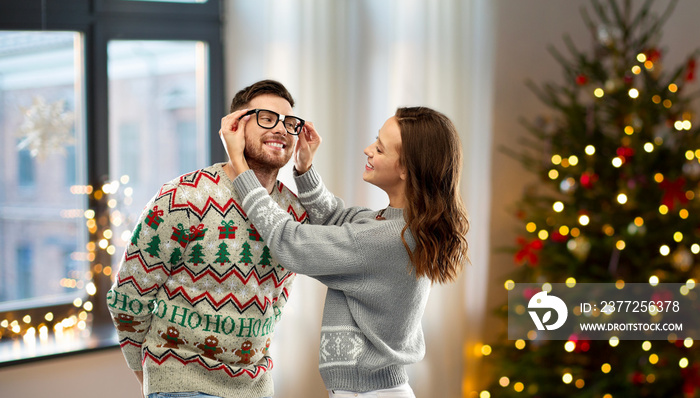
522 29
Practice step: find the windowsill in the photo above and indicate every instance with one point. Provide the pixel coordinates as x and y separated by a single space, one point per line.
20 351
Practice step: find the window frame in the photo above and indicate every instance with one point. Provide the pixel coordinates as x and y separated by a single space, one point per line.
100 21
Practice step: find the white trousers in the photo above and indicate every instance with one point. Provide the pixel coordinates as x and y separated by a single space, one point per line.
402 391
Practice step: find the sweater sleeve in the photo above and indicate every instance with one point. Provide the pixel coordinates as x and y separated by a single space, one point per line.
144 268
330 254
321 205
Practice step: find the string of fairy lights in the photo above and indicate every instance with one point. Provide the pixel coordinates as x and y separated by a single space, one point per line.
576 242
105 233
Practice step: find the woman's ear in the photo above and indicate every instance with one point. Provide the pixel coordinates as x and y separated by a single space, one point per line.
403 174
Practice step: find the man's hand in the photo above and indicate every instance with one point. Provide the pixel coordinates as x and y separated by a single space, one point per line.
306 148
232 135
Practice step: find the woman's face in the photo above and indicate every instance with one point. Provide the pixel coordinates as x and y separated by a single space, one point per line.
383 168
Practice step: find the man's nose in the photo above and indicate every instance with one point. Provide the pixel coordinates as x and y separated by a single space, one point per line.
279 128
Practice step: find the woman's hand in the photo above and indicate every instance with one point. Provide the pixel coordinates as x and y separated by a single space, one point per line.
232 135
306 148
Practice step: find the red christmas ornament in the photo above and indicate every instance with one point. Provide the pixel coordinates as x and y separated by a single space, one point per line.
557 237
529 292
588 179
638 378
663 295
653 54
583 346
624 153
691 375
690 70
528 251
581 79
673 192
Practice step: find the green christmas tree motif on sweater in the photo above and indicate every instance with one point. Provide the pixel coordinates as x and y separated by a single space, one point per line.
135 234
265 257
153 248
196 257
222 254
175 256
245 254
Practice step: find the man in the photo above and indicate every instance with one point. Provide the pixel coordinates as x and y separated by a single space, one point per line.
198 294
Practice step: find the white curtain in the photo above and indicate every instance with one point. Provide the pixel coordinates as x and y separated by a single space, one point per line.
349 64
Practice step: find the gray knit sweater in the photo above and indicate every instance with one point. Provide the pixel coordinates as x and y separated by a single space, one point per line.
372 316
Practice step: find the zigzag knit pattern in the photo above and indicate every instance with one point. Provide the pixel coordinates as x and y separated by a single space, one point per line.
198 287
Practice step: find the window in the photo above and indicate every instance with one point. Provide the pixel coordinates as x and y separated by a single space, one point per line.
186 145
39 212
22 275
25 168
101 102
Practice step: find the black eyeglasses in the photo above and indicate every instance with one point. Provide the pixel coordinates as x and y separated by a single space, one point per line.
268 119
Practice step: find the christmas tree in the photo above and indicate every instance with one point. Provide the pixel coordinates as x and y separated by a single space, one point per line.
153 246
265 257
196 255
618 161
222 254
135 234
175 256
245 254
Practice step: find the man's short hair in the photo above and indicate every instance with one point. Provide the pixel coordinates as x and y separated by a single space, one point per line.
243 97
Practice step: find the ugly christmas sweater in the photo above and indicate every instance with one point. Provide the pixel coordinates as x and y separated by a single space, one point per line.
371 325
199 292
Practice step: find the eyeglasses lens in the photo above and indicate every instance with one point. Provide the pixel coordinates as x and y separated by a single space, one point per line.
269 119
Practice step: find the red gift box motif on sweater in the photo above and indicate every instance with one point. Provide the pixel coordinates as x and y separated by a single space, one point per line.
227 230
153 219
197 233
254 234
180 235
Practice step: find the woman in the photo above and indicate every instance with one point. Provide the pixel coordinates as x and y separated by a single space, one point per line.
378 265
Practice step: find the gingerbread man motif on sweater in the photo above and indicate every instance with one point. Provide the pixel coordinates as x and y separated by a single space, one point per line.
200 283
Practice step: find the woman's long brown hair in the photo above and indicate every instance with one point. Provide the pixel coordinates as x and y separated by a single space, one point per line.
435 213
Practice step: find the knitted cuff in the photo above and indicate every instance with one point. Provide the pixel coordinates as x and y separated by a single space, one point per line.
245 183
308 181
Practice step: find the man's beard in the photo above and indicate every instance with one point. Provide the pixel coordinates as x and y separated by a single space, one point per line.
259 160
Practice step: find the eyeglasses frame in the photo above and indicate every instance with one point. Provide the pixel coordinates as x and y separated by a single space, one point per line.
281 118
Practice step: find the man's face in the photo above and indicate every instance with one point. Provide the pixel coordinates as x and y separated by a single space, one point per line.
268 149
